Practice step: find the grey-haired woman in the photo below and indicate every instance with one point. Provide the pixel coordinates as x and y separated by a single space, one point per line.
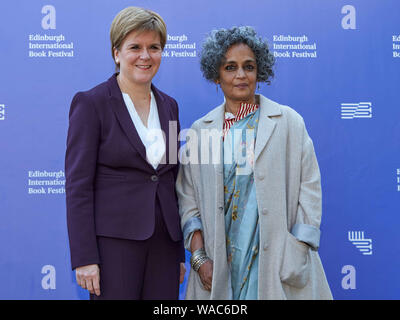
250 215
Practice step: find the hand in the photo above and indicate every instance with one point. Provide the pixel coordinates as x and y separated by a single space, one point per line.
206 273
183 271
88 277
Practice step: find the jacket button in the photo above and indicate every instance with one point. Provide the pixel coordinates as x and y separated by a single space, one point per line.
265 247
154 178
261 177
264 211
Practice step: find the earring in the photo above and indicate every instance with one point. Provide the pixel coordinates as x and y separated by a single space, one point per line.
258 86
116 61
216 87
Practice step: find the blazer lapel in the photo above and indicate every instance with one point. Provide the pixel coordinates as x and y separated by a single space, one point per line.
124 118
266 126
164 117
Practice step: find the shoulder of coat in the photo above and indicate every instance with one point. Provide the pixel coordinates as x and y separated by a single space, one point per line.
281 112
291 114
211 116
274 108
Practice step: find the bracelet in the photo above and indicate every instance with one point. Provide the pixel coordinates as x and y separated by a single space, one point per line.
198 258
196 263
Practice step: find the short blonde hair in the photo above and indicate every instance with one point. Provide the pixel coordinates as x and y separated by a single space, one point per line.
135 19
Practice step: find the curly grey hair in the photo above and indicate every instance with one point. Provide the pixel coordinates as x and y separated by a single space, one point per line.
219 41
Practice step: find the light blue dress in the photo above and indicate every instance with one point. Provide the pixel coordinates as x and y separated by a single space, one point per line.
241 213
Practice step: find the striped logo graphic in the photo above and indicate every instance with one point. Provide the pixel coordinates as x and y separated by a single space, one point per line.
361 243
356 110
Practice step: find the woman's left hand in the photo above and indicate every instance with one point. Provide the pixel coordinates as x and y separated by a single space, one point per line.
183 271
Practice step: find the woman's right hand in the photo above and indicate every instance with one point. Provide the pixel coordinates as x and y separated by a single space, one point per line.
206 269
206 273
88 277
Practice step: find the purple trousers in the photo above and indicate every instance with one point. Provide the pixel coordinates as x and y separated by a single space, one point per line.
140 269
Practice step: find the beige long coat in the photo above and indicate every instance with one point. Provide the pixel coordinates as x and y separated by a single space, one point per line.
288 189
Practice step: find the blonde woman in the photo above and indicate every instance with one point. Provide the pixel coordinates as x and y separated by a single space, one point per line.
123 220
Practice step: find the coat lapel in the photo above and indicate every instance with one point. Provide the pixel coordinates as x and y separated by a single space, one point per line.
266 126
214 121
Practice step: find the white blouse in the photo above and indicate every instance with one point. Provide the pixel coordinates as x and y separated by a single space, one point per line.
152 136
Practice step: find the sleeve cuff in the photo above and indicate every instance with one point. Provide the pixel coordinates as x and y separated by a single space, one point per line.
190 226
308 234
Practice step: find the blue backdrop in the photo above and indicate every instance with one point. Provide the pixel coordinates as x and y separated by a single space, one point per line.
337 64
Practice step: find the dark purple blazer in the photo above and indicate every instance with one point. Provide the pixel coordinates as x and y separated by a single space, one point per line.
110 187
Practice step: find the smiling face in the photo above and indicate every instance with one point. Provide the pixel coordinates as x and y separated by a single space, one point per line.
139 57
238 74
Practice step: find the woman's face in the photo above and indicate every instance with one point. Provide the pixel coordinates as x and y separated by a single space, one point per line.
139 56
238 74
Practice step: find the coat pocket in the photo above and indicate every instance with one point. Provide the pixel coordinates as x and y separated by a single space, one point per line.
295 265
